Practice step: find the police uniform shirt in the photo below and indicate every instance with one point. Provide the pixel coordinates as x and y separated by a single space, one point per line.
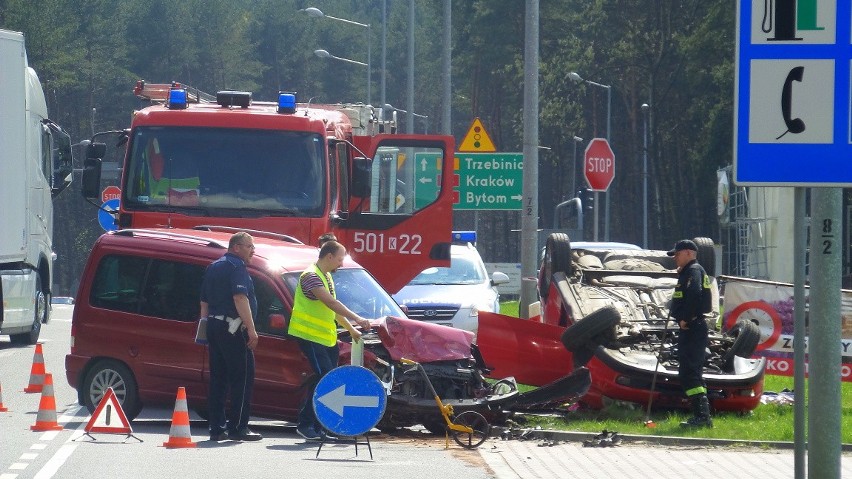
224 278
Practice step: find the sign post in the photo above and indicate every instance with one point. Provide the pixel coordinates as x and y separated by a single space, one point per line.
793 127
599 170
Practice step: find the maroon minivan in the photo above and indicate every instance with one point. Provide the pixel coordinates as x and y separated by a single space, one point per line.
137 311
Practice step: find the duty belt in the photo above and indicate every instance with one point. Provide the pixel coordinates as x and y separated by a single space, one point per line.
222 317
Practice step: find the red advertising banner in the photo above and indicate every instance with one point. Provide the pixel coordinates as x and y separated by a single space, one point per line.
770 305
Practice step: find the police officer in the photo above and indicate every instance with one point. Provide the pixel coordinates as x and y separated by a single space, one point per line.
691 301
312 322
229 303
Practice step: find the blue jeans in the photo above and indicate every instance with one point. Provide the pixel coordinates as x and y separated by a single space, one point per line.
231 369
322 360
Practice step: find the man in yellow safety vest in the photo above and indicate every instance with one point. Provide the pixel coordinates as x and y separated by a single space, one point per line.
313 322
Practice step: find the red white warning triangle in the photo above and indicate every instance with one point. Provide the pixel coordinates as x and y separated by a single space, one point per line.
109 417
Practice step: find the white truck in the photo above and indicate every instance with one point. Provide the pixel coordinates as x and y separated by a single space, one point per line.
35 166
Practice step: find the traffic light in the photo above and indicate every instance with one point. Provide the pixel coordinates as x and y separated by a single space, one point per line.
587 199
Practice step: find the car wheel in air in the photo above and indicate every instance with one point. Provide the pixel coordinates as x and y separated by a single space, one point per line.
557 259
746 336
591 330
706 254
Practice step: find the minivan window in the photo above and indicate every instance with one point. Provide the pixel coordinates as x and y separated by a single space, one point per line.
118 283
268 303
358 291
158 288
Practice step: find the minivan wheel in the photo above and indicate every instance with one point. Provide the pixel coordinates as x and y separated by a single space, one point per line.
39 318
110 373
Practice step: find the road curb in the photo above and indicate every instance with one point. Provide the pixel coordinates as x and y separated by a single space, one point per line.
575 436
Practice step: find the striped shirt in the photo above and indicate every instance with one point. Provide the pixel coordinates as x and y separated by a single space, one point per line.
310 281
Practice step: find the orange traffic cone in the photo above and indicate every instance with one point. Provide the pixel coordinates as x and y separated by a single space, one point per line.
2 408
179 434
46 419
36 372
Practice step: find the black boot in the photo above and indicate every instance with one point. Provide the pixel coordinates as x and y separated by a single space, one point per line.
700 413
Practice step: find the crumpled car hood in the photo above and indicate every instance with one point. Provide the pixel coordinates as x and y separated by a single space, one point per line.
422 341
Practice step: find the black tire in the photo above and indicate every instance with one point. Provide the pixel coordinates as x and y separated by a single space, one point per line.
557 259
39 317
591 330
111 373
475 421
746 336
706 254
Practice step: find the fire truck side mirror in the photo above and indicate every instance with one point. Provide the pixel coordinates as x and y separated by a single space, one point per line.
96 150
362 172
91 184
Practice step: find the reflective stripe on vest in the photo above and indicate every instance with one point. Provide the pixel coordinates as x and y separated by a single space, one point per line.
311 319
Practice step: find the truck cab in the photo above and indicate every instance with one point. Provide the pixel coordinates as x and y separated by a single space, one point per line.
35 166
297 169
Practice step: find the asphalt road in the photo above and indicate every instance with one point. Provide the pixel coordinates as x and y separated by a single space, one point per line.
25 454
412 455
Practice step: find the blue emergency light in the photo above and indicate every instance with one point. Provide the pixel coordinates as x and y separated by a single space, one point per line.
286 102
177 99
464 237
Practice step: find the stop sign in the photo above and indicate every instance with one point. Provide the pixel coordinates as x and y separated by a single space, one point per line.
110 193
599 164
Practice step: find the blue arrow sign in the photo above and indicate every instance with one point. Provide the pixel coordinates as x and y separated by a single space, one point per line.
107 220
349 400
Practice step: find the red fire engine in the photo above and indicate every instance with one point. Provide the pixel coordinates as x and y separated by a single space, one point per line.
297 169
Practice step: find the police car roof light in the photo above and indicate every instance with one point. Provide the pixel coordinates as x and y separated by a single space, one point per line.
464 237
177 99
286 102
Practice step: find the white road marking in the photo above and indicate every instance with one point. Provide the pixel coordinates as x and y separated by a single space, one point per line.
28 456
19 466
8 476
54 463
38 447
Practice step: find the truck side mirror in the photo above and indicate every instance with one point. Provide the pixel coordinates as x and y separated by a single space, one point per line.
96 150
91 186
362 173
62 162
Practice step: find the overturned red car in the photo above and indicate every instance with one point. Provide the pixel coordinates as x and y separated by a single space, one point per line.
606 309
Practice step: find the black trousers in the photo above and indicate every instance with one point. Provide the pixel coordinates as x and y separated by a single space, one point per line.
692 345
231 370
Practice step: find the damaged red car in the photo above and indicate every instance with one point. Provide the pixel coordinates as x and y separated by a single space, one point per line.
608 309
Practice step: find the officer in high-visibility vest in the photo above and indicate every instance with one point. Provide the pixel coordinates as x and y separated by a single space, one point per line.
692 299
313 322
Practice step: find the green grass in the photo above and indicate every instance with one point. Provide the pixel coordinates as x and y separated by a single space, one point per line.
768 422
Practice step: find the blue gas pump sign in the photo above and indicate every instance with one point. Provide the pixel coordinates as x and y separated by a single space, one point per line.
793 116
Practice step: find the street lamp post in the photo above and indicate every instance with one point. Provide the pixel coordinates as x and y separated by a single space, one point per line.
425 118
317 13
577 78
645 108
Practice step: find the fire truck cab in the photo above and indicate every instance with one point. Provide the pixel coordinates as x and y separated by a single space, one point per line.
298 169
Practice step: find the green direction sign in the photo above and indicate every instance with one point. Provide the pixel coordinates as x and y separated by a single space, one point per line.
489 181
427 180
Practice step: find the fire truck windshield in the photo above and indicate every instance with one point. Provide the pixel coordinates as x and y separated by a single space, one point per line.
205 170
